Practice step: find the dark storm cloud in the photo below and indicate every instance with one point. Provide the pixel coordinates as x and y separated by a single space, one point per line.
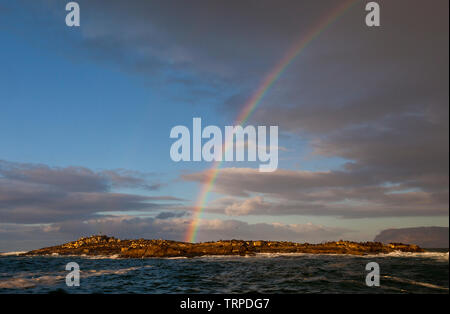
31 193
205 36
350 74
412 151
377 97
168 215
219 44
235 43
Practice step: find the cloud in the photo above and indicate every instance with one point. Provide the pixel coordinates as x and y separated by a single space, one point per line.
331 193
126 227
212 46
375 97
168 215
226 229
246 207
75 179
206 43
31 193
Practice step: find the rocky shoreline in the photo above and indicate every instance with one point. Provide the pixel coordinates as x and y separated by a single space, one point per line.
101 245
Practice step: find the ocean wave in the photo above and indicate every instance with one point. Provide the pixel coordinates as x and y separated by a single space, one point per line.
84 256
417 283
26 280
12 253
434 255
101 272
265 255
115 256
443 256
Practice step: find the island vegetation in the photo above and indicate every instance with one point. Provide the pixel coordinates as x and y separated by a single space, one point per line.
102 245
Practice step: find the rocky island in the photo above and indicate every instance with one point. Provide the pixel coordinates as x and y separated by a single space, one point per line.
101 245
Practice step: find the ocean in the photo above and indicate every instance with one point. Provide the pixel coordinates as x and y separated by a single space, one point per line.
265 273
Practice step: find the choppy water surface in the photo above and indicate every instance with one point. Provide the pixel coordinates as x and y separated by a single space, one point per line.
265 273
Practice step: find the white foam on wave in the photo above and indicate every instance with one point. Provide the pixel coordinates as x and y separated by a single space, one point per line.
281 254
101 272
26 280
434 255
264 255
417 283
115 256
223 256
12 253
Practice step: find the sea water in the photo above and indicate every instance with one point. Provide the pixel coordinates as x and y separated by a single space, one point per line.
265 273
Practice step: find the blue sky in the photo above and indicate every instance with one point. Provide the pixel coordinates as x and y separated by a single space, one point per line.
105 96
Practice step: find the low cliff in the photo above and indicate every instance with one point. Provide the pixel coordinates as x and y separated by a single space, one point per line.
108 246
427 237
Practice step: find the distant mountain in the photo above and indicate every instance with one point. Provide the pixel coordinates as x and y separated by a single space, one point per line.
427 237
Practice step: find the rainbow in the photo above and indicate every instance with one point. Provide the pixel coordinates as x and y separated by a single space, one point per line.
256 98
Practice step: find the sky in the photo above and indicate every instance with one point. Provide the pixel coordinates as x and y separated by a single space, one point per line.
86 113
